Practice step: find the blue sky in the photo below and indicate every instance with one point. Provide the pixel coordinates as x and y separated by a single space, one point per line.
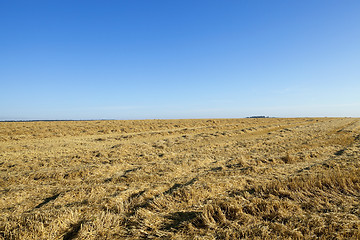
178 59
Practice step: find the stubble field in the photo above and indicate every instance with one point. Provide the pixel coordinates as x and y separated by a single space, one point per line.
181 179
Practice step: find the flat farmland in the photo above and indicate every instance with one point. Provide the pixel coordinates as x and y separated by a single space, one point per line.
269 178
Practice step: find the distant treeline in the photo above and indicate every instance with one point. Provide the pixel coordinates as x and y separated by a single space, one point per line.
259 117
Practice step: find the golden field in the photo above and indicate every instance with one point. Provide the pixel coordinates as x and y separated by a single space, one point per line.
181 179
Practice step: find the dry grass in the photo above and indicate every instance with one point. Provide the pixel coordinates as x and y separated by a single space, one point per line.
181 179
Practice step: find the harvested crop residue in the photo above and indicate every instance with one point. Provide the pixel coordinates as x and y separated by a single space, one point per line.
181 179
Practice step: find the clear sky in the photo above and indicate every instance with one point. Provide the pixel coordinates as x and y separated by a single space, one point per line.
66 59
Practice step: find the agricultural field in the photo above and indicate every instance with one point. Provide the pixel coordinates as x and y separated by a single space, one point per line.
268 178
